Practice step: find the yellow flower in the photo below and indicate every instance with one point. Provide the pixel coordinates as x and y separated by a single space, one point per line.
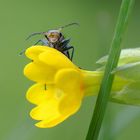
60 85
63 80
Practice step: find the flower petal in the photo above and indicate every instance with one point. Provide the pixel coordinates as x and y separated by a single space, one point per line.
34 51
37 93
70 105
48 124
56 59
47 110
71 82
38 72
48 105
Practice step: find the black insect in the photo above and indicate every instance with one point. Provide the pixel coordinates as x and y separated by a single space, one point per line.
55 39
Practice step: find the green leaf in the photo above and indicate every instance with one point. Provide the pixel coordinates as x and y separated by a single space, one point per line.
127 56
130 94
129 71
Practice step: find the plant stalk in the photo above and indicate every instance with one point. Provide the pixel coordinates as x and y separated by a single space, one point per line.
106 84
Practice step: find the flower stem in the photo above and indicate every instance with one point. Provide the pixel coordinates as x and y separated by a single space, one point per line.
106 84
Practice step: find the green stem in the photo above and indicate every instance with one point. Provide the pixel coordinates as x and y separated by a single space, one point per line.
106 85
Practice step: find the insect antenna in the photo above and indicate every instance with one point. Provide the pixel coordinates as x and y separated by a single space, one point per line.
33 34
74 23
21 53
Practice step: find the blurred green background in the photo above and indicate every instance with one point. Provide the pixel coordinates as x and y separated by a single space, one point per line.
91 40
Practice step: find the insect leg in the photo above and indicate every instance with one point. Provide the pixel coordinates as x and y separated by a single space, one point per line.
43 41
34 44
65 42
45 87
68 48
